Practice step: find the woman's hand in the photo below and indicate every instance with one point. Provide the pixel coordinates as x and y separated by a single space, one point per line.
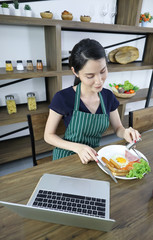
86 153
131 135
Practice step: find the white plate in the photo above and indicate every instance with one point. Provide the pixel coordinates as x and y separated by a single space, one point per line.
111 150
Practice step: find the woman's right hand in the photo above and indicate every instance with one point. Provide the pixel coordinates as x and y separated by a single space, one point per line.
86 153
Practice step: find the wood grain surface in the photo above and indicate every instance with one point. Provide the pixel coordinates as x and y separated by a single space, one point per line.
131 202
124 55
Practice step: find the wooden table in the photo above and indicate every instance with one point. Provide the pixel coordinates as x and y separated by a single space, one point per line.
131 202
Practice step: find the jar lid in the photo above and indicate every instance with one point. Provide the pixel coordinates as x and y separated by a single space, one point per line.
29 61
19 61
39 60
8 61
30 94
9 97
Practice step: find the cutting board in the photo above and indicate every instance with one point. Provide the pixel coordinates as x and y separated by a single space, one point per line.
124 55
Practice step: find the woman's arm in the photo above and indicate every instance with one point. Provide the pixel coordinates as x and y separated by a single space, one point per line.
129 134
85 152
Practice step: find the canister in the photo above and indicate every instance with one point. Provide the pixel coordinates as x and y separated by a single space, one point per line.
10 103
31 99
29 65
9 66
19 65
39 65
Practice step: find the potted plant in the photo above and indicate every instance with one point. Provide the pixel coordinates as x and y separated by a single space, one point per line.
28 11
16 8
145 18
5 8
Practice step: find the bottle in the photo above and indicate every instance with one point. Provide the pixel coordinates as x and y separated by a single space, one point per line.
19 65
29 65
9 66
39 65
31 99
11 105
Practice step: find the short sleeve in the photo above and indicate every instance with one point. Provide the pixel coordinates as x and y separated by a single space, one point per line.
111 103
57 104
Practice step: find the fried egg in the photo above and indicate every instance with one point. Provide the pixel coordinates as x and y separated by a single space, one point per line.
120 160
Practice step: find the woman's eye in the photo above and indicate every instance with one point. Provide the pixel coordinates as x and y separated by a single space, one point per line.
90 77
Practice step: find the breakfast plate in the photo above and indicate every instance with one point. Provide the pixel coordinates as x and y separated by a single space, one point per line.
116 150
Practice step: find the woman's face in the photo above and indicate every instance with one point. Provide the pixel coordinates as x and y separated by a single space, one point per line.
94 74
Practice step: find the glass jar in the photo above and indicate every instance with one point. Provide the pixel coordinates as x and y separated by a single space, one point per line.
39 65
9 66
19 65
11 105
32 105
29 65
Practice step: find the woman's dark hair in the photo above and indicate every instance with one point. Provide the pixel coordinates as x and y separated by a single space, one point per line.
86 49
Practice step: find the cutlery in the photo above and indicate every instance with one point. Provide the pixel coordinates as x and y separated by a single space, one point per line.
107 170
131 145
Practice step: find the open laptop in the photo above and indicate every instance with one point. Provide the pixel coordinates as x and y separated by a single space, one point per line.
70 201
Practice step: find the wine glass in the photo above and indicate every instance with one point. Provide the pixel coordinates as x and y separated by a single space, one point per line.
104 11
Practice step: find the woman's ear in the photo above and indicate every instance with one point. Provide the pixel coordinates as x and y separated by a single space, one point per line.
72 68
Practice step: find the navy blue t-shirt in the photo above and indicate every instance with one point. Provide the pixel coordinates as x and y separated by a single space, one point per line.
63 103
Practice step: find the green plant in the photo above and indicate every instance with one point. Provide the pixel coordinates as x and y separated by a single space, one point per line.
5 5
146 17
27 7
16 4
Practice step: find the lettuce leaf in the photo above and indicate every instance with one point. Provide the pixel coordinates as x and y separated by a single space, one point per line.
139 169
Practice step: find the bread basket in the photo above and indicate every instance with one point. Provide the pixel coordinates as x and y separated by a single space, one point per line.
46 15
124 95
85 18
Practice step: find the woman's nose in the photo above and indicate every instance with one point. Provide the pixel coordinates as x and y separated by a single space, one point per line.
98 78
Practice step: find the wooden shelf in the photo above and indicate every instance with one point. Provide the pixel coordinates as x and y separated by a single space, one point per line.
21 115
140 96
46 72
114 67
73 25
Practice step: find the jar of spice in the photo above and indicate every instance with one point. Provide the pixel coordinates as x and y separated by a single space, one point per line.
19 65
32 105
39 65
11 105
29 65
9 66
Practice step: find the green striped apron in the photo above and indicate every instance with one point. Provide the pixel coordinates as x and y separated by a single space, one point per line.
85 128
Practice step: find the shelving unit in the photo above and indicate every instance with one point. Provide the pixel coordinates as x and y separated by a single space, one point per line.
54 71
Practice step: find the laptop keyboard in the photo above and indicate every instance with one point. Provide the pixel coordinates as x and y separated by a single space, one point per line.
70 203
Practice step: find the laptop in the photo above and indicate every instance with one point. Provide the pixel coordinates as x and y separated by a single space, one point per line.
69 201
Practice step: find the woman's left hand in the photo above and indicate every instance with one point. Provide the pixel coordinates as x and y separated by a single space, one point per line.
131 135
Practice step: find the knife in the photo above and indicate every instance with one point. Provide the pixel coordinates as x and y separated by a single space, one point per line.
107 170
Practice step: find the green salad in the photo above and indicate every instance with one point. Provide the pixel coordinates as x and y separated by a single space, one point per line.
139 169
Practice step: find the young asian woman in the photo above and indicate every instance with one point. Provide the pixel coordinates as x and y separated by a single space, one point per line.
87 108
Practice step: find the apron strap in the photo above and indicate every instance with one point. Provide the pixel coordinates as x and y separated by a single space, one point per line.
102 103
77 97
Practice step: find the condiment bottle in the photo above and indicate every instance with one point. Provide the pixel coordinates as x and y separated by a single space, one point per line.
11 105
19 66
29 65
9 66
32 105
39 65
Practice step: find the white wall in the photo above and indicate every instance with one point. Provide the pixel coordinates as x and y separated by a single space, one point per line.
21 42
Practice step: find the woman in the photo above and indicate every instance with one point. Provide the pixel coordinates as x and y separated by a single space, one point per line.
86 108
